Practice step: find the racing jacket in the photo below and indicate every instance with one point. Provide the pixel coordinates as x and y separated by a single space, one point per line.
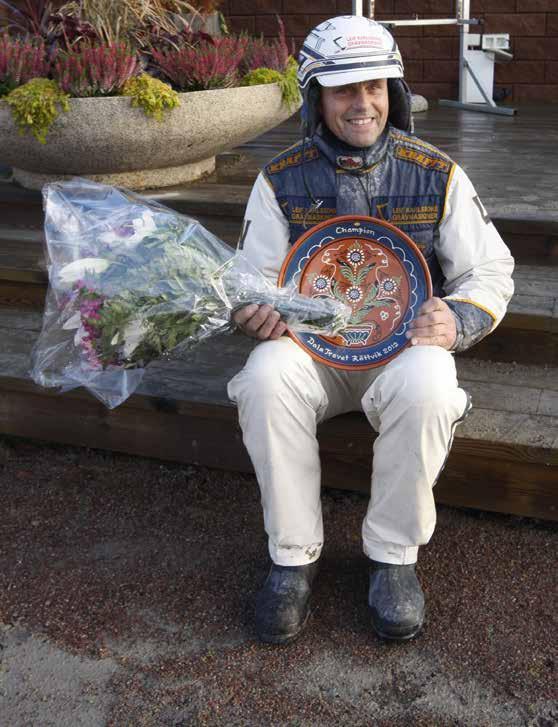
402 180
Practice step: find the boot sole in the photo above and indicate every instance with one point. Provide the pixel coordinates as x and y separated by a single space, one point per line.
397 637
284 638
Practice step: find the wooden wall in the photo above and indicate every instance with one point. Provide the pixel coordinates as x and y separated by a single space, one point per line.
431 54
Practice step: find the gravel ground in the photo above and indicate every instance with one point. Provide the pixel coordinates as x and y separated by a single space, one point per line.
127 590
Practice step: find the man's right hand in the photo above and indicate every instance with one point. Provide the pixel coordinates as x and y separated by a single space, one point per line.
260 321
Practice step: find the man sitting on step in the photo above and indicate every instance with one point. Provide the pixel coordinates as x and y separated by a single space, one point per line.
358 158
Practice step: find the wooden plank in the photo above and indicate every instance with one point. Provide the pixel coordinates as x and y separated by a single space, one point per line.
510 343
205 370
521 435
210 436
529 306
534 298
26 295
495 485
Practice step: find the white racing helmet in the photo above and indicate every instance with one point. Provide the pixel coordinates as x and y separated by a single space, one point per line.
351 49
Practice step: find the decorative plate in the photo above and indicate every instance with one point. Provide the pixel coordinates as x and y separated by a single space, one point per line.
374 268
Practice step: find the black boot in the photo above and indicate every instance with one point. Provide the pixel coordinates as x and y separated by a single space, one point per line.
396 600
283 604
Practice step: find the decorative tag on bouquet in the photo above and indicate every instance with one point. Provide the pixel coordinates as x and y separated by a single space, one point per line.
371 266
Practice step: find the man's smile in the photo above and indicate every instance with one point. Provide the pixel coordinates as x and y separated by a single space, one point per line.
361 121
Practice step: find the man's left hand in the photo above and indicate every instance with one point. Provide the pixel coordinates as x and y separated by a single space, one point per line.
434 325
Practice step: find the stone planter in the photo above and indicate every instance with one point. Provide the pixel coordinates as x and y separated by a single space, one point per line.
107 140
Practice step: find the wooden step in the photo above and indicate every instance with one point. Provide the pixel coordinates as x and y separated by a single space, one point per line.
528 333
532 237
504 458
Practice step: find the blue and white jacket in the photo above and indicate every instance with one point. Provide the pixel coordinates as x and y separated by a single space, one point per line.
402 180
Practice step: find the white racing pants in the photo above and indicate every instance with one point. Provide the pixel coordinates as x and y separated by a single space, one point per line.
413 402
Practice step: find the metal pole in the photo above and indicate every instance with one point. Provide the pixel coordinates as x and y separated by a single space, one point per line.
371 9
462 14
357 7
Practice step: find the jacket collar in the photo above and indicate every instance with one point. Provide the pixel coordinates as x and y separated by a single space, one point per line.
350 158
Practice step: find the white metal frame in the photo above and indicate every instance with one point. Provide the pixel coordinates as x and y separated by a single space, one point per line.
464 21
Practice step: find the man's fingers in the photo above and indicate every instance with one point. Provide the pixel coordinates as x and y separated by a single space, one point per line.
440 340
432 304
261 322
437 335
243 315
271 320
278 331
429 319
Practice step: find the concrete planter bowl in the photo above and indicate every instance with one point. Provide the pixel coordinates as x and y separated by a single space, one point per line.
108 141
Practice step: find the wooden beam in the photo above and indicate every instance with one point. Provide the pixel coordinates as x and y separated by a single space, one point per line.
485 474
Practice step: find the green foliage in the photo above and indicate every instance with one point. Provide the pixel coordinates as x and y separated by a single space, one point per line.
160 332
153 95
36 105
287 82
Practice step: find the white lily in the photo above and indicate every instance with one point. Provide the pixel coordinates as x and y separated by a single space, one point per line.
143 226
76 270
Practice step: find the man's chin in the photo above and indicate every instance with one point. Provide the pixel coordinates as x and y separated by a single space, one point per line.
363 139
362 142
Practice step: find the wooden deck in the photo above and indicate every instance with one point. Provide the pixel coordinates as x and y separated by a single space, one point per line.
505 456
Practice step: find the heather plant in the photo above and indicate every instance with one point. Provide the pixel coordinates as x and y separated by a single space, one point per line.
203 66
21 60
36 105
274 54
95 70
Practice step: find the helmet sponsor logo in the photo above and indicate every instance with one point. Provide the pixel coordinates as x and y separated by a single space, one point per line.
366 41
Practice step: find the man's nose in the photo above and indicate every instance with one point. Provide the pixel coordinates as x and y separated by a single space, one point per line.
361 98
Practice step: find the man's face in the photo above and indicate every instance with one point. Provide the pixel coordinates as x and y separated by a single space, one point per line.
356 113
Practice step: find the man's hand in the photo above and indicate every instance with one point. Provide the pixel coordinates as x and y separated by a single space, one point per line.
434 325
260 321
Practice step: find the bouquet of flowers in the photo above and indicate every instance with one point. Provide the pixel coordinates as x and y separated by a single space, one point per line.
131 281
